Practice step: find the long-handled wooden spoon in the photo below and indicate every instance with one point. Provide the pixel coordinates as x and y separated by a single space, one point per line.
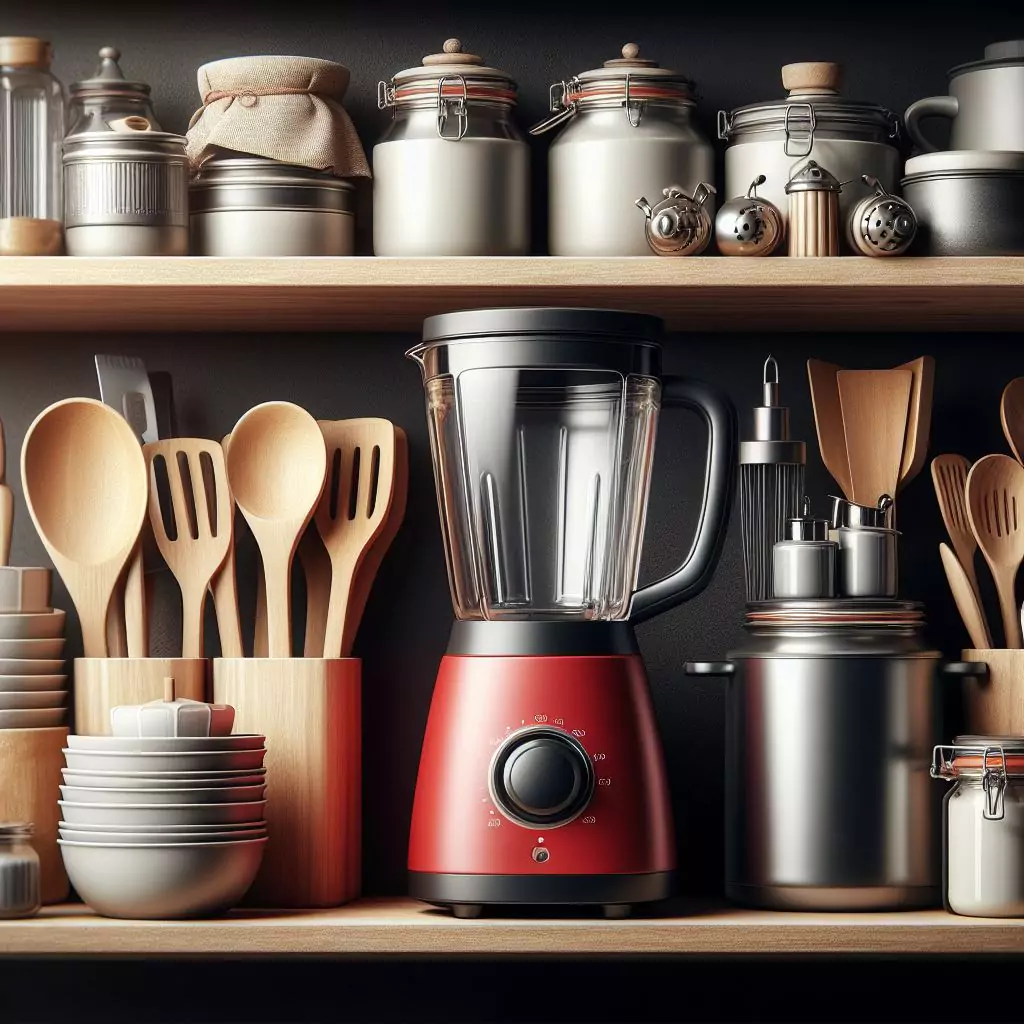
277 464
224 587
995 509
6 505
828 421
966 600
1011 412
85 487
203 520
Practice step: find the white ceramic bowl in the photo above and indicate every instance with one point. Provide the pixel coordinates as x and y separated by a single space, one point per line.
172 816
230 835
148 797
163 780
50 647
31 666
32 625
166 881
27 699
188 833
36 718
166 744
215 760
14 684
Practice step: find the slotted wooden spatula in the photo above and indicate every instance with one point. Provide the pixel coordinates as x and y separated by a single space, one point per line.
949 477
353 509
203 522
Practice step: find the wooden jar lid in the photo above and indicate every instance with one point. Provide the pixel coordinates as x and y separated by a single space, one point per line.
25 52
812 76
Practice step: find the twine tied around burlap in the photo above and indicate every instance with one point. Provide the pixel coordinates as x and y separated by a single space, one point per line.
282 108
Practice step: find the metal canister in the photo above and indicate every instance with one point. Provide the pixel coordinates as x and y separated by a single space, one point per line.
805 562
628 131
831 717
250 206
867 562
813 211
749 225
125 194
451 175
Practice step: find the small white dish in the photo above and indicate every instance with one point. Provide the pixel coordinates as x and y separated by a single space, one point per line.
36 718
28 699
216 760
32 625
166 744
16 684
207 796
118 817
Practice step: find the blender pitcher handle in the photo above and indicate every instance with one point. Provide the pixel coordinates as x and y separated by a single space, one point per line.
723 428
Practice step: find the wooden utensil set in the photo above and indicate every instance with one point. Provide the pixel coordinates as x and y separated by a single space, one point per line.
983 508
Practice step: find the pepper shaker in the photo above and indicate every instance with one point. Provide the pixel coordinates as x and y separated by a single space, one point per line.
805 563
813 211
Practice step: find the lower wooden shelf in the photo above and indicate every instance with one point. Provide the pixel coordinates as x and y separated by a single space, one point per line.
402 927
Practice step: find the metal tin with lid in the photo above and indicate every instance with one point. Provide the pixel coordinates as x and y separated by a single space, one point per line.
105 101
243 205
627 130
452 171
805 561
813 121
126 194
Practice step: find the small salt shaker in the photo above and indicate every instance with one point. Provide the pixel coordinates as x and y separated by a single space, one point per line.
805 563
19 871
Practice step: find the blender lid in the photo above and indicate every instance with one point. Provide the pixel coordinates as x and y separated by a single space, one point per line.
607 324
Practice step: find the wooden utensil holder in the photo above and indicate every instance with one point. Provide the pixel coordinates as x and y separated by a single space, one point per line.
310 710
30 767
105 683
994 706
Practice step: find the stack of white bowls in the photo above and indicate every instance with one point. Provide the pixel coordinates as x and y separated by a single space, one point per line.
33 685
159 827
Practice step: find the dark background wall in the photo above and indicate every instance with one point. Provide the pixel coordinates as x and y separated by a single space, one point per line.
735 55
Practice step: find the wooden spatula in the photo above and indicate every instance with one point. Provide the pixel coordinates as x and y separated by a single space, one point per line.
949 477
6 505
919 419
966 599
875 406
195 545
224 587
995 508
353 509
1011 412
828 421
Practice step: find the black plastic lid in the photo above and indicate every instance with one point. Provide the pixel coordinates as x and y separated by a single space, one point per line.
606 324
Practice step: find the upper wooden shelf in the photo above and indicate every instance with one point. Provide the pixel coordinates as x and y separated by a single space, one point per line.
371 294
403 927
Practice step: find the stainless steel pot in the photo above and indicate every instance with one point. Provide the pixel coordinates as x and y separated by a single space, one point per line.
250 206
985 103
968 203
125 194
831 717
451 175
775 138
628 132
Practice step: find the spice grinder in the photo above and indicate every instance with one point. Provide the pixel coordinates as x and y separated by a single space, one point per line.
541 778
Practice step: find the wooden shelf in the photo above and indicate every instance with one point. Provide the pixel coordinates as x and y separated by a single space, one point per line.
369 294
403 927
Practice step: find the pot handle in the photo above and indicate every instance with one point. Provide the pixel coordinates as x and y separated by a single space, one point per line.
966 669
930 106
709 668
723 427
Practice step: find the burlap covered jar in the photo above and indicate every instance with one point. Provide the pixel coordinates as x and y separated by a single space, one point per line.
282 108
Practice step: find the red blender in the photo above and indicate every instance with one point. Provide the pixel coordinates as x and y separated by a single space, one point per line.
541 779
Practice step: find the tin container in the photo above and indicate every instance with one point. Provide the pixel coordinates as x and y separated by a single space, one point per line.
251 206
983 825
805 562
867 562
628 132
125 194
451 175
831 718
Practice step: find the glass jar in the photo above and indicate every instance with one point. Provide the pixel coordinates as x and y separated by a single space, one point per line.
31 134
19 871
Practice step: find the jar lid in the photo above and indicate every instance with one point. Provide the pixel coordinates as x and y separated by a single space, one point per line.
642 78
974 755
1008 53
124 145
964 162
812 177
25 52
457 74
108 80
807 527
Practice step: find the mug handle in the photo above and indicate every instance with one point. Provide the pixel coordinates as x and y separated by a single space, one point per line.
930 106
719 479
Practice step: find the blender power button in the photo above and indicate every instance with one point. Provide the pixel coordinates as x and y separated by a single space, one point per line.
540 855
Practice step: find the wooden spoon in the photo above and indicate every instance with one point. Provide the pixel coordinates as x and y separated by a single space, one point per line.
6 505
1011 412
919 420
85 487
828 421
949 477
353 510
277 464
224 587
995 509
875 406
966 599
203 521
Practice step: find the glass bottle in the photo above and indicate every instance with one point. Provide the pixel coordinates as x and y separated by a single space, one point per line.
31 136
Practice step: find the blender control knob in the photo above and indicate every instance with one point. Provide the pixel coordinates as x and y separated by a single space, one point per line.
542 777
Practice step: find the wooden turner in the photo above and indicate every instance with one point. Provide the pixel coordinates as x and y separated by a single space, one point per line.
224 587
966 600
202 527
919 419
6 505
828 421
875 406
352 510
1011 412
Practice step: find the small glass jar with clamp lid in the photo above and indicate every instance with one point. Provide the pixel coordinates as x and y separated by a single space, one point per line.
805 563
19 871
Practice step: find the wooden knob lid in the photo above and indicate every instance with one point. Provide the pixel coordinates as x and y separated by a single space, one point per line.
812 76
630 59
25 52
452 55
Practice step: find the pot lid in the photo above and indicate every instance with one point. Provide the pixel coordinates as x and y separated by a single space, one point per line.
108 80
812 177
452 62
959 161
229 168
630 65
1004 54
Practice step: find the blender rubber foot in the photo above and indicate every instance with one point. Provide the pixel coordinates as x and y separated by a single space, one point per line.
467 911
617 911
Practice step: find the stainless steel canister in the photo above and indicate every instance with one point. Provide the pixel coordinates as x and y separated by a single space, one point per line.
125 194
451 175
831 717
250 206
813 122
628 132
867 562
805 562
